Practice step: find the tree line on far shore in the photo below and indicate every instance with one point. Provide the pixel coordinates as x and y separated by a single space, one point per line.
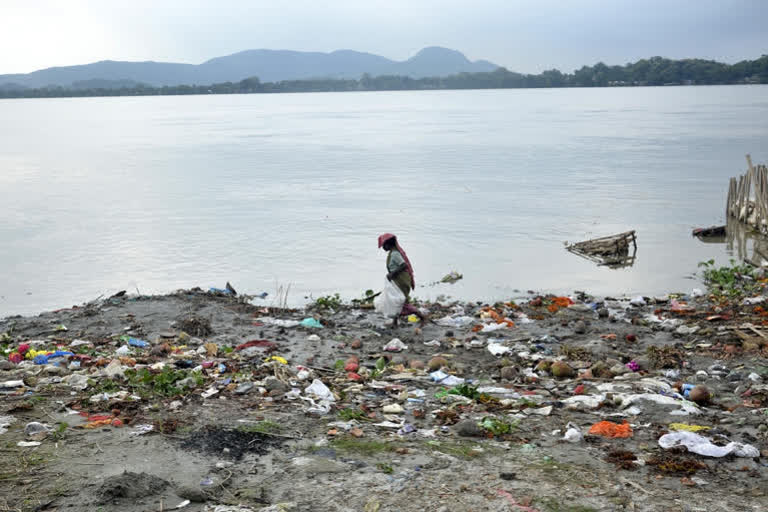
646 72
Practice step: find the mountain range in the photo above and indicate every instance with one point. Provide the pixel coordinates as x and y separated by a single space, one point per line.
267 65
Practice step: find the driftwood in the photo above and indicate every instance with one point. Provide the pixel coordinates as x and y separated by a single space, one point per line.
612 251
748 197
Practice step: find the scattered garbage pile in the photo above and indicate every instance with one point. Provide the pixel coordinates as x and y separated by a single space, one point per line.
547 403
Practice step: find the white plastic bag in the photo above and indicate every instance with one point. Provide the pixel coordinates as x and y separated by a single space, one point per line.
703 446
390 302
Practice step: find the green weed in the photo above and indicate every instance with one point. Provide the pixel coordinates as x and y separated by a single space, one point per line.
262 427
460 450
328 302
350 414
164 383
497 426
362 446
731 281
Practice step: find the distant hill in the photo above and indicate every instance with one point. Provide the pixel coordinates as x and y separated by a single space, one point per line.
267 65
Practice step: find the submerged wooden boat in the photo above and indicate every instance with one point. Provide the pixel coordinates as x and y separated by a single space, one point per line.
710 232
612 251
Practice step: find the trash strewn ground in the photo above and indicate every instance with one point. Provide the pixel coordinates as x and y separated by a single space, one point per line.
569 403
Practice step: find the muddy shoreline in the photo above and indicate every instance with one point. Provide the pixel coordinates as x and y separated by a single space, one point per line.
205 400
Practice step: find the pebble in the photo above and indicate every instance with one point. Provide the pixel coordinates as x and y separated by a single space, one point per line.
509 373
417 364
275 384
469 428
356 344
392 409
244 388
193 494
580 327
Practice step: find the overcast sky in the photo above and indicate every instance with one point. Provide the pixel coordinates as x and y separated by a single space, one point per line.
522 35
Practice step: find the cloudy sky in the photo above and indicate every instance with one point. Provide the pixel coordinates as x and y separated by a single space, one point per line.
522 35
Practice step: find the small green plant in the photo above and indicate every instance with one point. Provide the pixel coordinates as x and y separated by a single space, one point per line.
328 302
465 390
385 468
462 450
262 427
164 383
497 426
350 414
58 433
379 368
731 281
368 296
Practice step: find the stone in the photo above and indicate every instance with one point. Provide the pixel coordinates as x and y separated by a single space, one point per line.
356 344
603 313
700 394
416 364
469 428
392 409
193 494
244 388
275 384
561 370
436 363
580 327
735 376
509 373
618 369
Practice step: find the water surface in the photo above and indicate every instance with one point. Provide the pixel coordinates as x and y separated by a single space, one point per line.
159 193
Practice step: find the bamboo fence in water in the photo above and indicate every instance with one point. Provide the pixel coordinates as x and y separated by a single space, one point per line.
748 197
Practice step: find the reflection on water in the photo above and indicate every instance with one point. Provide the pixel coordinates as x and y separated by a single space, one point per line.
744 243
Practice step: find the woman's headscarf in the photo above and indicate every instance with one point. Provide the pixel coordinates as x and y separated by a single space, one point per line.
389 236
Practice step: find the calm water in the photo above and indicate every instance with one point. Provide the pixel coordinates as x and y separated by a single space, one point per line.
100 195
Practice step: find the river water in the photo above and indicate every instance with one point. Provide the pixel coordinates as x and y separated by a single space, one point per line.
160 193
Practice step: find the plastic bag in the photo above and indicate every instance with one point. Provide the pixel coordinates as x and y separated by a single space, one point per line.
390 302
703 446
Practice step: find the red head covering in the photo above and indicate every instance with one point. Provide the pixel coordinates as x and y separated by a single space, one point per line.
389 236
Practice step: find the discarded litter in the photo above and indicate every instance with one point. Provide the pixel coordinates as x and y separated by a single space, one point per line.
395 345
609 429
312 323
390 302
696 443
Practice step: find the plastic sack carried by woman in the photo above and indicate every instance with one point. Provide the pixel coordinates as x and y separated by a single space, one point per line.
390 302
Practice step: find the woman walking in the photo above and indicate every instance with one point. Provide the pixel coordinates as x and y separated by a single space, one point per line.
400 272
